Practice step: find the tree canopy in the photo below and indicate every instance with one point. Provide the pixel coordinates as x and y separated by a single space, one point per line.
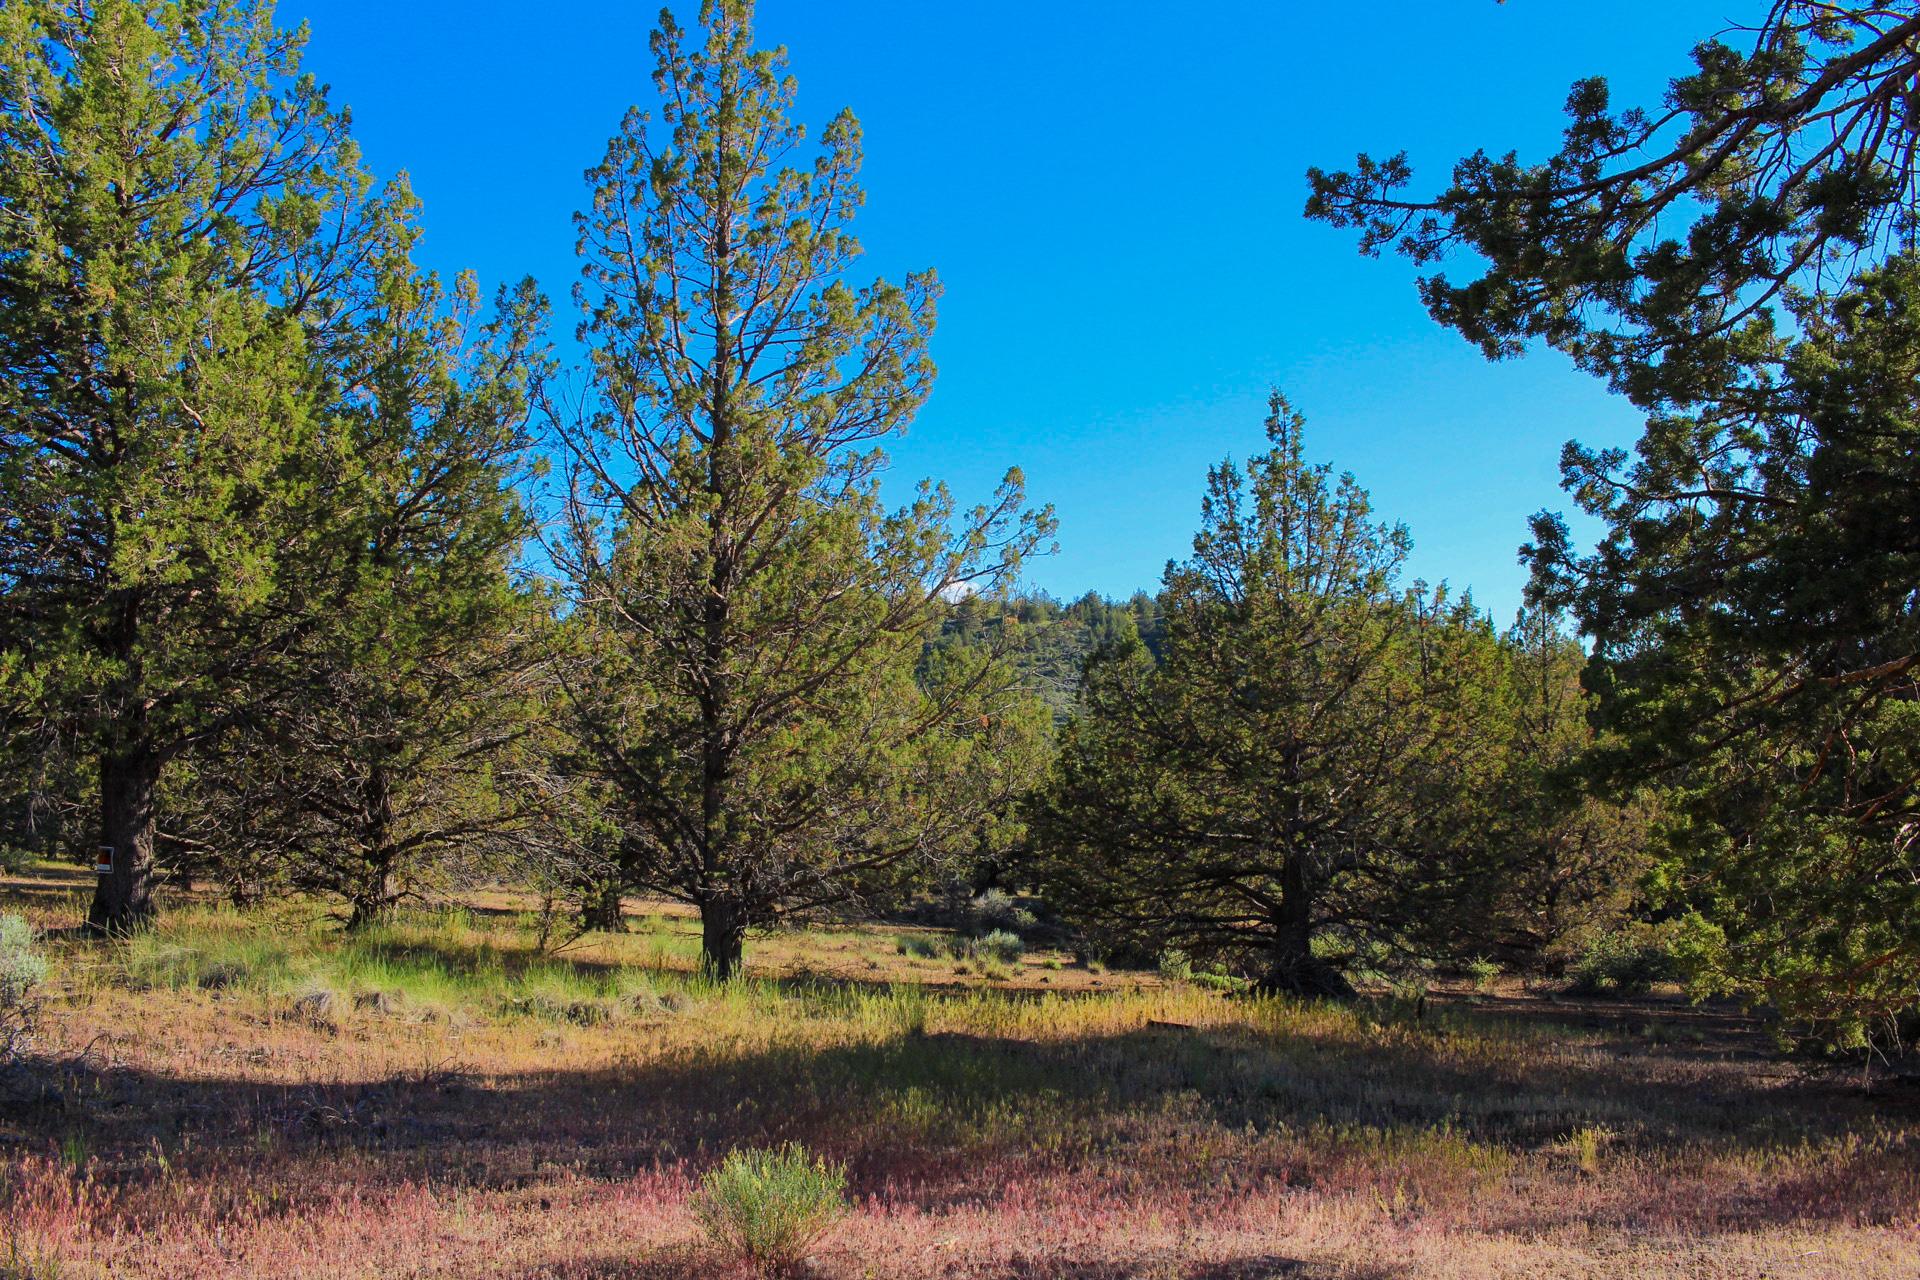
1739 264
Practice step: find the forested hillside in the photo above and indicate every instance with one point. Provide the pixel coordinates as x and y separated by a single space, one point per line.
1048 642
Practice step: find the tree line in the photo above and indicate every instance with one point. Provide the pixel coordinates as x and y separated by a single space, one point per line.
319 573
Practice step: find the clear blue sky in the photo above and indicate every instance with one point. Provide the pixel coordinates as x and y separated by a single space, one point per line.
1111 193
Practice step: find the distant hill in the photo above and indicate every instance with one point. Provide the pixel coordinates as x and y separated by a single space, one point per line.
1051 640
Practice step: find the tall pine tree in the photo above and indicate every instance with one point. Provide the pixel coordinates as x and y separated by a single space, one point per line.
185 221
757 616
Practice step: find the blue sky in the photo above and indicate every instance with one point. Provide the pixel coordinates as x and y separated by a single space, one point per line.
1111 193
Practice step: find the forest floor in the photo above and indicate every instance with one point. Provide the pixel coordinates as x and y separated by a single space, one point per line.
242 1096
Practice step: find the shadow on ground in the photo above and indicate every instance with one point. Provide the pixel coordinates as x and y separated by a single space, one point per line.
944 1119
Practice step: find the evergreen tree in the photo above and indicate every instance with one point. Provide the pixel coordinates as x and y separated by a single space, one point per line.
1244 796
756 618
1544 860
1657 248
1740 265
184 221
404 737
1570 861
1762 657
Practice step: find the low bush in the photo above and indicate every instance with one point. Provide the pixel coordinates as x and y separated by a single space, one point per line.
993 911
1620 964
1001 946
767 1207
21 973
922 946
1481 972
1175 966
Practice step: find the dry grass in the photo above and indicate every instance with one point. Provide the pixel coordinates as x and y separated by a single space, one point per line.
235 1097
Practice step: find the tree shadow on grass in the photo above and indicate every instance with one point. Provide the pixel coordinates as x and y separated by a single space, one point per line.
949 1119
691 1264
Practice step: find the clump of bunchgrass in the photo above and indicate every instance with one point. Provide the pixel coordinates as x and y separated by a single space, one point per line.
1585 1145
920 946
1216 978
767 1206
24 1260
219 950
22 970
319 1006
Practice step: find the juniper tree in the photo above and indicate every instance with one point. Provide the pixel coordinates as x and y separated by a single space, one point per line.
402 742
1739 263
183 216
757 615
1565 859
1242 796
1540 857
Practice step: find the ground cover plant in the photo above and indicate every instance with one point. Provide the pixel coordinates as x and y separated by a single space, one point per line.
462 1104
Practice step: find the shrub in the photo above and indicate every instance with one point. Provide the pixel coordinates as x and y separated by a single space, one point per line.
924 946
21 973
768 1207
1482 972
994 911
1001 946
1622 963
1174 966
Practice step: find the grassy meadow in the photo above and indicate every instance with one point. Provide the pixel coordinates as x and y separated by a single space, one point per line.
259 1095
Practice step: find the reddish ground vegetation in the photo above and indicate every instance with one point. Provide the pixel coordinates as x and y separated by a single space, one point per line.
220 1121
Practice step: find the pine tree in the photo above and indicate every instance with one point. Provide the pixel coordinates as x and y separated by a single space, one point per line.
1740 264
402 745
1244 796
184 220
756 615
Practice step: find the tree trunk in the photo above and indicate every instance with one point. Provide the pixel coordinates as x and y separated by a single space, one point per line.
1293 968
123 899
373 898
722 939
601 911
